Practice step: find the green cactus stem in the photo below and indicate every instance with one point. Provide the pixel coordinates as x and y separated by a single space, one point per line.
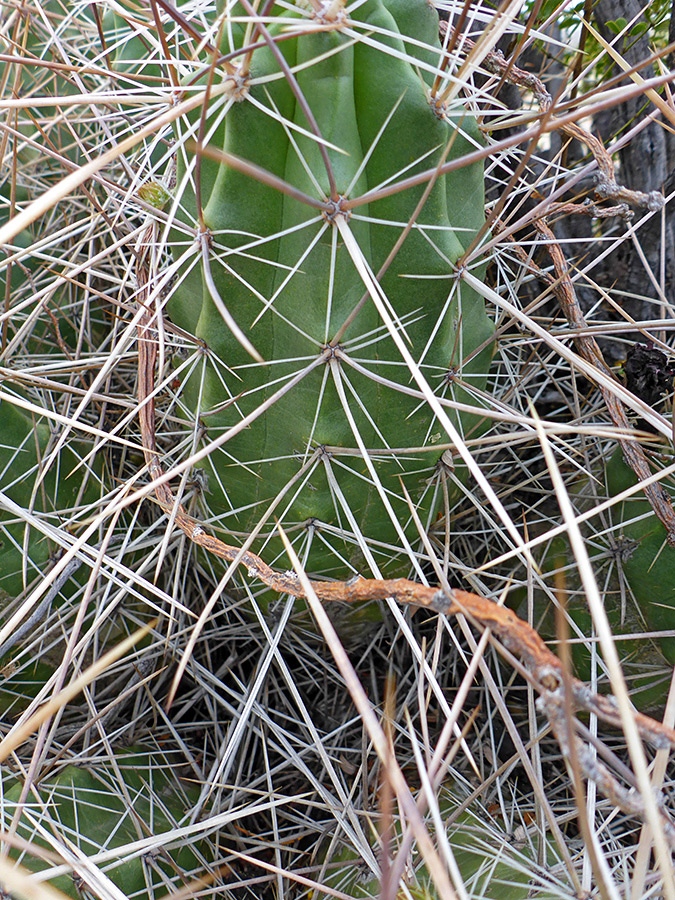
56 494
310 281
492 864
646 558
99 816
646 670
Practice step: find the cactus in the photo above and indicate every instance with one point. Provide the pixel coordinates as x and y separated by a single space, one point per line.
335 433
645 668
107 809
326 425
492 864
51 494
647 560
644 554
54 497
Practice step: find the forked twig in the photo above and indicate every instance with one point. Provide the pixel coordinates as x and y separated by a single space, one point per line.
541 667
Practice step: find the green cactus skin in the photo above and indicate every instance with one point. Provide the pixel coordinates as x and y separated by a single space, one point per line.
648 562
646 671
648 566
18 688
88 807
491 867
24 442
18 273
294 285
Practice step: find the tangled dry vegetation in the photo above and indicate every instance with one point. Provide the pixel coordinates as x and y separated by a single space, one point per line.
469 699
